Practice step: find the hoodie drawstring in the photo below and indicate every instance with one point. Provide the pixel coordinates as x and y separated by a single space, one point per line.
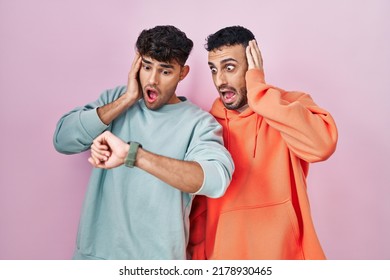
228 130
256 133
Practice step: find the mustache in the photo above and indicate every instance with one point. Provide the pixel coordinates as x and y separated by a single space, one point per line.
226 88
149 86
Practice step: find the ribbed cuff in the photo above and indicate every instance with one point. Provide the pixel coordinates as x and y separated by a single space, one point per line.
215 180
91 122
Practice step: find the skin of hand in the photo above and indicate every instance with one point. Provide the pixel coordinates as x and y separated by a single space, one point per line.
111 111
253 55
108 151
134 90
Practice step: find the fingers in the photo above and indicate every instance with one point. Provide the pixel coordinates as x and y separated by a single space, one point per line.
100 151
253 47
249 57
136 60
136 65
134 90
97 165
254 57
108 151
92 162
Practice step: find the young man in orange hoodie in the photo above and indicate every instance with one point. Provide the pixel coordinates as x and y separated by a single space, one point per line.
272 136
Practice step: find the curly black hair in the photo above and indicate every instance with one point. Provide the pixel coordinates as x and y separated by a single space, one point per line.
165 43
229 36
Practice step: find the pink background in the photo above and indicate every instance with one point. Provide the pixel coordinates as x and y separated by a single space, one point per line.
56 55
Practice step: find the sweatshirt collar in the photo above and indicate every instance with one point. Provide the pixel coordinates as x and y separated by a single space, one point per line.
166 107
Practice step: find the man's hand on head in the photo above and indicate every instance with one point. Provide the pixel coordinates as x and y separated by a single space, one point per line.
253 56
134 90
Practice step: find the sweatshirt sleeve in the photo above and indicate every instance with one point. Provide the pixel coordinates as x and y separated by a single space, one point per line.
208 150
308 130
76 130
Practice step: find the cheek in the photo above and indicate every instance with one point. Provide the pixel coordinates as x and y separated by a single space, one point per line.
234 80
168 84
214 80
142 78
243 92
239 80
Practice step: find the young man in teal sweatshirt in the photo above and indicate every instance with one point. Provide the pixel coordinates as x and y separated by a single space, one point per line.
152 151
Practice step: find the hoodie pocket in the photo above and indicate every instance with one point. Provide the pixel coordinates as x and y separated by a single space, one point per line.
259 232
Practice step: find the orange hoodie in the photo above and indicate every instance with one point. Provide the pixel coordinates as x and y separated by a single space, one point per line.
265 213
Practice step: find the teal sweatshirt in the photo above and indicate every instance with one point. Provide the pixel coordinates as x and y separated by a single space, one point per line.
128 213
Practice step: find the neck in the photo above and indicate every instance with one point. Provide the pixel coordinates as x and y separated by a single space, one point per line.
243 108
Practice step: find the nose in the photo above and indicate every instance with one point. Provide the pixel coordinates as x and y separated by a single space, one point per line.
219 79
153 77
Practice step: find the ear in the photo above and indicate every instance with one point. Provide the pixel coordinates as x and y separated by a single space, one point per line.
184 72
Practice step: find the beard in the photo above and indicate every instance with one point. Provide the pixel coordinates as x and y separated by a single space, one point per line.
240 98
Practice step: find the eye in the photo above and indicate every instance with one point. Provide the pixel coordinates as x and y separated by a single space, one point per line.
166 72
145 67
213 70
230 67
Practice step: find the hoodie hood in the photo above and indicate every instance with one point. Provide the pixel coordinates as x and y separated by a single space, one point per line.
227 117
218 110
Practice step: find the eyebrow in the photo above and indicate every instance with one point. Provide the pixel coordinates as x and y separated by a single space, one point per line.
224 61
164 65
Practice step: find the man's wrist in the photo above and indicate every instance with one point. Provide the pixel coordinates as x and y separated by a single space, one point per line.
130 98
131 156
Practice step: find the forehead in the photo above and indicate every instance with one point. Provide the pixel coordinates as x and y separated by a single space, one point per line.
225 53
151 61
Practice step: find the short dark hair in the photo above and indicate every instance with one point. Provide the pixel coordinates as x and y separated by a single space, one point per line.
165 43
229 36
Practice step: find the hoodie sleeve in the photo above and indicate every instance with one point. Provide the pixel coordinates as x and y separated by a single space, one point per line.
308 130
76 130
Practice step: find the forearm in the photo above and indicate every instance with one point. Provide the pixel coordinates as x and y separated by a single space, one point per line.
111 111
186 176
108 151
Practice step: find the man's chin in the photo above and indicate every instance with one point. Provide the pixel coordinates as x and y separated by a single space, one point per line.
234 106
230 106
152 106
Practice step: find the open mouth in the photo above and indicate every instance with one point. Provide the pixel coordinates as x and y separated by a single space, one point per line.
228 96
151 94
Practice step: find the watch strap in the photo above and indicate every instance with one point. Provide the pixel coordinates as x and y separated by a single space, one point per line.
132 154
